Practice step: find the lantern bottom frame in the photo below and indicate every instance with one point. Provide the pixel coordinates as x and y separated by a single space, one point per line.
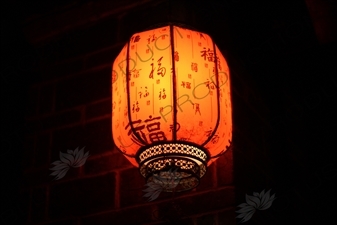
175 166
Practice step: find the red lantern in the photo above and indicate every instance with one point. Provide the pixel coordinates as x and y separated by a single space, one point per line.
171 103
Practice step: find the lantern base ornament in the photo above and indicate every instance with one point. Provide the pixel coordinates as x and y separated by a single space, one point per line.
175 166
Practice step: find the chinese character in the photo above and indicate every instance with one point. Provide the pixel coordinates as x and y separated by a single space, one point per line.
215 139
139 133
153 126
188 85
161 70
162 96
146 93
151 40
204 54
183 84
197 108
171 127
209 54
209 84
135 109
176 56
135 38
152 69
135 73
194 67
157 136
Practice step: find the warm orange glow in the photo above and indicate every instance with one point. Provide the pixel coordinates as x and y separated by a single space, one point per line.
198 90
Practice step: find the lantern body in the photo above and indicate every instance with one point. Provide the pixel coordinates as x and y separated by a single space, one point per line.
171 103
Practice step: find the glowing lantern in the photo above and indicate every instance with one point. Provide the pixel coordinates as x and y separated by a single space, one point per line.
171 105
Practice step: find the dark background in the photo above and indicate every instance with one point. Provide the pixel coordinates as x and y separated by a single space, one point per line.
284 83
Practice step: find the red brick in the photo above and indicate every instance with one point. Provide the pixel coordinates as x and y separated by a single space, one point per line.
61 69
133 216
177 221
82 40
32 101
131 186
206 182
106 163
42 150
95 136
38 205
98 109
46 99
63 222
131 23
37 178
82 197
27 60
28 153
227 217
33 126
11 215
104 57
83 89
210 201
60 119
208 219
225 169
24 203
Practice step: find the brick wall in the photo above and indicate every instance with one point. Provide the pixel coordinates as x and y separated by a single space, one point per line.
68 104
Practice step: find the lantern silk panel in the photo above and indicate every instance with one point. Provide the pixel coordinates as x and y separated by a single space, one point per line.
120 118
163 93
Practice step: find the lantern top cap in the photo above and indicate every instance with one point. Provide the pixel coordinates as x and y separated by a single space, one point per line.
173 23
